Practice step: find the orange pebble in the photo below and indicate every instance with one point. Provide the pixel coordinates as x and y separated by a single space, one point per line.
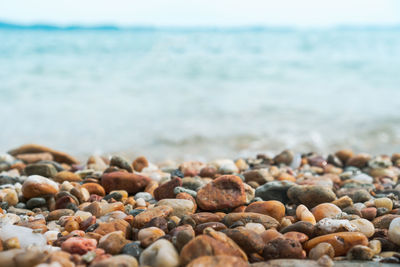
270 234
325 210
272 208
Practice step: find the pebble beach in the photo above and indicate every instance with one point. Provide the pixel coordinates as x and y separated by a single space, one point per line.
290 209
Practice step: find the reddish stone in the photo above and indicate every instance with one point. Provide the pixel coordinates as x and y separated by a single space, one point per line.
79 245
130 182
227 191
166 190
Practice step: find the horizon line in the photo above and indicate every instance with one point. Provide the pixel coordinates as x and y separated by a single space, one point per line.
146 27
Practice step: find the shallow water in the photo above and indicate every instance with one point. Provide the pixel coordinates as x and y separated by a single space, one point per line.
200 94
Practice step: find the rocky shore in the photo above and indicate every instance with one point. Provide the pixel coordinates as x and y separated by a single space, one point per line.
288 210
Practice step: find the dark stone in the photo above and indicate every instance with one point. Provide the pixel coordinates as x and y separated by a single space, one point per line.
35 202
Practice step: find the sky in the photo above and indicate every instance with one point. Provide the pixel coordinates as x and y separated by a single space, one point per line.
304 13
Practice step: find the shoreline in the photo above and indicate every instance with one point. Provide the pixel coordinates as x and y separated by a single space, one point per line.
284 209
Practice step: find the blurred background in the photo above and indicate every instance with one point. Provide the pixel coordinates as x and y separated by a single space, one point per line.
183 79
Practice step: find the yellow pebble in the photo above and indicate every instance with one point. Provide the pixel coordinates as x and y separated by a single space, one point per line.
384 202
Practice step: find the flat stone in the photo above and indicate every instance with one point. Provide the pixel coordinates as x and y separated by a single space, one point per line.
144 217
180 207
275 190
130 182
226 191
246 217
247 239
310 195
272 208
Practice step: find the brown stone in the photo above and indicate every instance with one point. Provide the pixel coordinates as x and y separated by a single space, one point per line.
148 236
301 237
94 188
341 242
115 225
146 216
35 157
227 191
57 214
283 248
130 182
204 217
191 168
369 213
140 163
60 157
306 228
204 245
67 176
246 217
320 250
310 195
325 210
272 208
359 160
247 239
166 190
383 222
344 155
113 242
218 261
208 171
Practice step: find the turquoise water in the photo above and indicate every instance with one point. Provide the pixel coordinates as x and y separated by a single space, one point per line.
200 94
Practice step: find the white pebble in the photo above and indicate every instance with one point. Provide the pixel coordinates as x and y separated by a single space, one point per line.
160 254
394 231
25 236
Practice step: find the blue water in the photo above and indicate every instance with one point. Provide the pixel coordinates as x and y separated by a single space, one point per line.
200 94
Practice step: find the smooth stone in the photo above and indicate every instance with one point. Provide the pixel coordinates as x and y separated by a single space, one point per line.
383 222
214 225
35 202
160 254
364 226
192 183
191 168
36 186
112 226
394 231
275 190
67 176
144 217
180 207
260 176
360 252
57 214
283 248
285 157
383 202
246 217
272 208
143 195
140 163
226 191
343 202
94 188
247 239
79 245
363 178
181 235
117 261
149 235
130 182
34 157
204 245
320 250
359 160
218 261
256 227
133 249
10 196
325 210
58 156
310 195
341 242
45 170
113 242
121 163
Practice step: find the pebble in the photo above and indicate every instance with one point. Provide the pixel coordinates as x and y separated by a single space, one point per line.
45 170
144 217
320 250
121 163
283 248
272 208
67 176
130 182
160 254
325 210
246 217
79 245
166 190
133 249
140 163
341 242
394 231
36 186
113 242
364 226
180 207
310 195
247 239
148 236
224 192
383 202
275 190
25 235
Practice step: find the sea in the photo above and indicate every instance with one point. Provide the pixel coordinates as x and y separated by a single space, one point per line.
200 93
